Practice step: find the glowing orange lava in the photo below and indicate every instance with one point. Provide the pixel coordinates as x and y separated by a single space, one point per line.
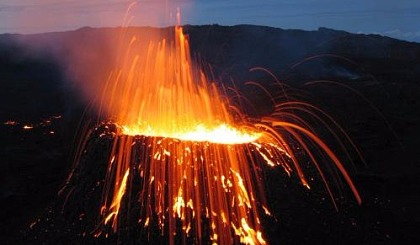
158 92
197 164
161 94
223 134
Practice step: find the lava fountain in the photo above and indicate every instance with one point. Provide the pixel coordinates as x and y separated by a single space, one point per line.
194 160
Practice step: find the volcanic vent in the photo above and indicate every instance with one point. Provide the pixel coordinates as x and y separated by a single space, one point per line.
177 161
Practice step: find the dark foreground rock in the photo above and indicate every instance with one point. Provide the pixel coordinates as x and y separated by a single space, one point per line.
73 218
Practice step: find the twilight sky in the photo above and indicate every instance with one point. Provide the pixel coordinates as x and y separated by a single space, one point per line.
396 18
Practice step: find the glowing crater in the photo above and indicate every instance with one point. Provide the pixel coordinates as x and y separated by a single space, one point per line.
221 134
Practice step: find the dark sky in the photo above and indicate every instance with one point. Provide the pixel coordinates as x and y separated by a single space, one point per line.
396 18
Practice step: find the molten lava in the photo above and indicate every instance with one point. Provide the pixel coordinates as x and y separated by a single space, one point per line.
197 162
223 134
198 169
158 92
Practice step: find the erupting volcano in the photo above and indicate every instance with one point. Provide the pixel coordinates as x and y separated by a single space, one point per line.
189 160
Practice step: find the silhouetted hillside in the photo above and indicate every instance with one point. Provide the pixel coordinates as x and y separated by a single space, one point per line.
232 51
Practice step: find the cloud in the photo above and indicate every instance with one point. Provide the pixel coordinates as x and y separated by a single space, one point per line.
404 35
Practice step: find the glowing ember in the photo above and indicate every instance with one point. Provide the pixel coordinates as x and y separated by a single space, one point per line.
196 163
10 123
27 127
45 123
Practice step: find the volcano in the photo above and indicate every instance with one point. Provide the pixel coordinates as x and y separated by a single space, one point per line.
383 70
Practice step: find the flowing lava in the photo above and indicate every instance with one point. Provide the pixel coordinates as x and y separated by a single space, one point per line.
195 163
